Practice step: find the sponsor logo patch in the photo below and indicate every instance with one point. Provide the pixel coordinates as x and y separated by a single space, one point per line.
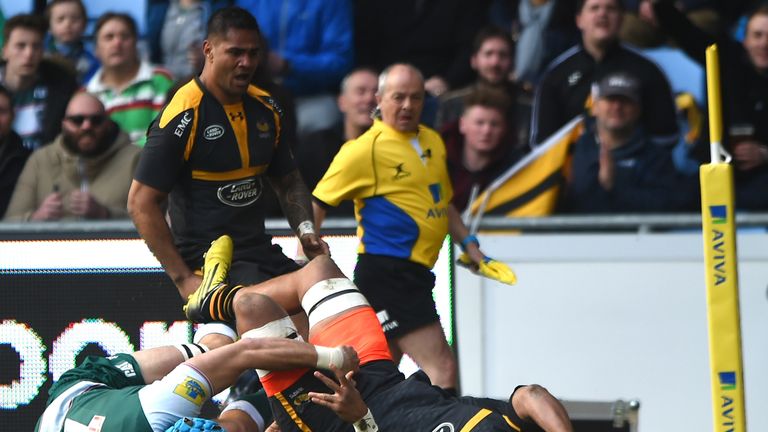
719 214
191 390
444 427
179 131
727 380
213 132
242 193
400 172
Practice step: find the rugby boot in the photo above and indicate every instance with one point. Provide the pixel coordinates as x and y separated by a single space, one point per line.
208 302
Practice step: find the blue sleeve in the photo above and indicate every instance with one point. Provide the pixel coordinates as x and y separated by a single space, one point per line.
332 57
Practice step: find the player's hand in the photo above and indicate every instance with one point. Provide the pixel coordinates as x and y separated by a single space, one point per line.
272 428
489 268
313 246
345 400
50 209
351 360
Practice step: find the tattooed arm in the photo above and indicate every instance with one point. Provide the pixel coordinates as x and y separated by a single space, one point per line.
296 203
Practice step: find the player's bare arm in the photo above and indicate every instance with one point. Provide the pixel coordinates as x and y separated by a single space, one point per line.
295 200
534 402
145 207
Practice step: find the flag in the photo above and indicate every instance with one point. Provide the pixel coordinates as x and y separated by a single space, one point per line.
531 186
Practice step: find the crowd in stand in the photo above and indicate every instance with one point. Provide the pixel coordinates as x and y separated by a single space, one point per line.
501 76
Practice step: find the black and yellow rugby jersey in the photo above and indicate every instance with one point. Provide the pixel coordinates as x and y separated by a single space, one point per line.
212 159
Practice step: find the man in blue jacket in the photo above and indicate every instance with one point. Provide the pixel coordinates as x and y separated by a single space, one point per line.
616 168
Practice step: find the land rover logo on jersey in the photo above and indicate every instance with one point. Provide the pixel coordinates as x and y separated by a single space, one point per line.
242 193
444 427
213 132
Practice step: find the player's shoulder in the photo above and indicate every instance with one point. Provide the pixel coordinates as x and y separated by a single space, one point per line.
264 97
184 101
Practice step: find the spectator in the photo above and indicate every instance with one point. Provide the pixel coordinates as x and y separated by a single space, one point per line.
475 146
534 17
66 20
744 69
492 61
397 176
310 49
615 167
181 37
12 152
132 90
356 101
40 87
564 89
84 174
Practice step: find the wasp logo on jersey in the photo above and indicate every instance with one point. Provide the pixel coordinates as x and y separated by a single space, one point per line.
242 193
444 427
400 172
191 390
263 127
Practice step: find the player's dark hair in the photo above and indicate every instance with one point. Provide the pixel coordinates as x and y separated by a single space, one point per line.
36 23
492 32
109 16
232 17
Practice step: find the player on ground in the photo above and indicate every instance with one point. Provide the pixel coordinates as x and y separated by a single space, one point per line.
339 314
151 390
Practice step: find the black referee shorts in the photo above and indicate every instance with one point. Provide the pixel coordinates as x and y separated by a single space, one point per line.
400 291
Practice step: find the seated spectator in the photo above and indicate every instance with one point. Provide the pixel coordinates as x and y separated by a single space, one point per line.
310 50
181 37
492 61
13 155
84 174
564 89
356 101
66 21
133 91
744 72
40 87
475 147
616 168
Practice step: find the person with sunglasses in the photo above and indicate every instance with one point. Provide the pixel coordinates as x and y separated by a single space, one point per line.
85 173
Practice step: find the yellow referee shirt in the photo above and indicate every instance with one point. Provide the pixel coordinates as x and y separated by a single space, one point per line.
400 186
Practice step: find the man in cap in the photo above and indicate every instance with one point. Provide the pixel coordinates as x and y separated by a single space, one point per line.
616 167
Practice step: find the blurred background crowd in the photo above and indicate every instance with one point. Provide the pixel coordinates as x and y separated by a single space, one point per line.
501 76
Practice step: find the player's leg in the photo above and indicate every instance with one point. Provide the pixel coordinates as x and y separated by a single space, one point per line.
214 300
428 348
155 363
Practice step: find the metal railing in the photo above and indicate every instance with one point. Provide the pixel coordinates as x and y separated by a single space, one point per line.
592 223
